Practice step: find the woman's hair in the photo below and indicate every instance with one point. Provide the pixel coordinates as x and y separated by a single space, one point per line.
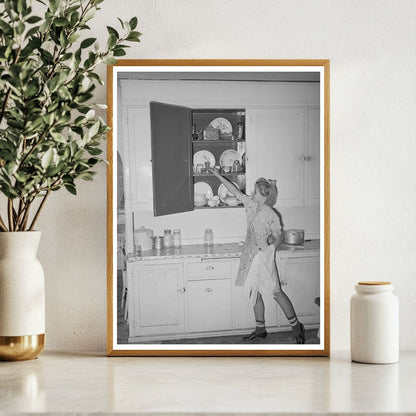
268 189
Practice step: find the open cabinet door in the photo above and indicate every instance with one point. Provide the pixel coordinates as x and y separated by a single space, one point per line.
171 154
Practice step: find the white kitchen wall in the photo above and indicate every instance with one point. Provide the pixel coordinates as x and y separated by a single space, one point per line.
373 126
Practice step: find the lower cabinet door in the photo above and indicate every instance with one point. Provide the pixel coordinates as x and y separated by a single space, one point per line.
209 305
299 277
157 300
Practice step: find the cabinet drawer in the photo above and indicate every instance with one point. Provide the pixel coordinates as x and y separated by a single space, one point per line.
209 269
209 305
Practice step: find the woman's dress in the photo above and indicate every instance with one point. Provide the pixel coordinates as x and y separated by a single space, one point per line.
262 221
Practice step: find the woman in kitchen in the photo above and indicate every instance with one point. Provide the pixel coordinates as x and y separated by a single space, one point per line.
257 271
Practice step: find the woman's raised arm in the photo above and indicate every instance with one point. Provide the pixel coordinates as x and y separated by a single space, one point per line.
228 184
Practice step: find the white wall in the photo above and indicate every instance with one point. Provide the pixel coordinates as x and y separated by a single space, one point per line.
373 196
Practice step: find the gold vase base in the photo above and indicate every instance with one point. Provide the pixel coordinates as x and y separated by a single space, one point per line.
21 348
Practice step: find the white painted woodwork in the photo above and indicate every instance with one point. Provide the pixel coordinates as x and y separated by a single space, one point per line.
209 269
299 277
312 165
275 150
156 303
209 305
220 94
194 298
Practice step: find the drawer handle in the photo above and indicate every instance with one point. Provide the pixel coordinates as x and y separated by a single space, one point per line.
210 267
209 289
182 290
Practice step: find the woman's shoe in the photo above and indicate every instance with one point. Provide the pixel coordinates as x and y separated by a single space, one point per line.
300 338
255 335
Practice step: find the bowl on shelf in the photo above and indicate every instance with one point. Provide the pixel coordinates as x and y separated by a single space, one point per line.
226 169
200 200
231 201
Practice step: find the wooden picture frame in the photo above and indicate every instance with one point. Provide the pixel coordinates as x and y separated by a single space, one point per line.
178 303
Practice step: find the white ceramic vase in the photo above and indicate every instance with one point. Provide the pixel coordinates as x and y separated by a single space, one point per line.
22 296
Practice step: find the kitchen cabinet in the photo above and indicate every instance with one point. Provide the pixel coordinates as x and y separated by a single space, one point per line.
156 294
209 305
312 163
181 142
197 297
299 276
283 144
209 295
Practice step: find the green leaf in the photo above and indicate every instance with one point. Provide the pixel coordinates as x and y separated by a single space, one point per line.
94 151
87 42
61 21
11 168
86 176
53 5
94 129
47 158
58 137
112 31
20 28
112 41
119 51
7 30
110 61
21 176
70 188
133 23
73 38
33 19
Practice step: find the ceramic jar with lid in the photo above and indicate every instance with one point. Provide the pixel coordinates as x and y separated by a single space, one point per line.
374 323
143 237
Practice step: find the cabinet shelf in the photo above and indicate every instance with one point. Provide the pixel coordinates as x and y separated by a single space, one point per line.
226 175
216 142
220 206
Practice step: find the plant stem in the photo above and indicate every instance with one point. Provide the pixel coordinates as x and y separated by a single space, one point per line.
2 225
26 216
10 213
39 209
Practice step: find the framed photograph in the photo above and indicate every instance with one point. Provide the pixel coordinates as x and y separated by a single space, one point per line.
218 208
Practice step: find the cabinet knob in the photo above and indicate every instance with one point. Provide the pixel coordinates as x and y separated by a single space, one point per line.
182 290
209 289
210 267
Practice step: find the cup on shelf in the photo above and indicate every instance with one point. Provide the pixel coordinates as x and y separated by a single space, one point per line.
199 168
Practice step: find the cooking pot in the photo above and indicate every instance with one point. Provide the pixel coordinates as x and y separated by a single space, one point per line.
144 237
293 236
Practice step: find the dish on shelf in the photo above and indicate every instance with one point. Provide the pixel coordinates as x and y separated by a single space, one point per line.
203 156
223 192
228 157
222 124
203 188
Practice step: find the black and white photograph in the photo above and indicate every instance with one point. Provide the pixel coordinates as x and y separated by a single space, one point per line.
220 232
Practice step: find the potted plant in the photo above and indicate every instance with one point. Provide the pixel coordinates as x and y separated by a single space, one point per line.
50 137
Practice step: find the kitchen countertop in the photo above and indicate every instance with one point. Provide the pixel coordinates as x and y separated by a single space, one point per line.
86 383
216 251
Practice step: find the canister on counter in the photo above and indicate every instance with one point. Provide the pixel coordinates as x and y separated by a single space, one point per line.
158 242
374 323
177 238
167 238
